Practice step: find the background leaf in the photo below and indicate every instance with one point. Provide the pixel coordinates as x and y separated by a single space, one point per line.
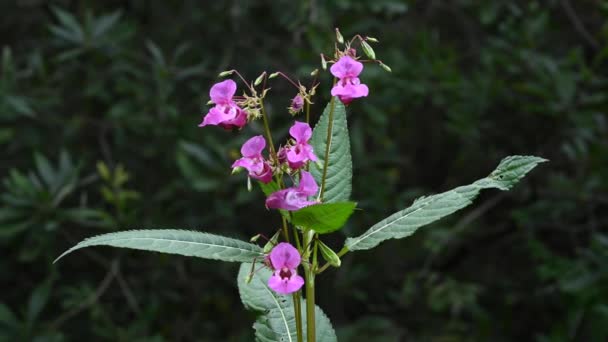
173 241
428 209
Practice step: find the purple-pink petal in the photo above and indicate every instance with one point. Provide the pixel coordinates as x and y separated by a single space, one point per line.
346 67
222 92
308 185
253 147
301 132
225 115
253 165
285 285
284 255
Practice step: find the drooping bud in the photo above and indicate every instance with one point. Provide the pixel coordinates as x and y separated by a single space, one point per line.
259 80
323 62
314 72
249 186
271 243
226 73
385 67
367 49
339 36
254 238
371 39
274 74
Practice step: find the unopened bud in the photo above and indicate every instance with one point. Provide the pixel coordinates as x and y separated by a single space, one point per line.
226 73
248 278
323 62
210 102
314 72
249 186
339 36
385 67
329 255
254 238
367 49
274 74
260 78
371 39
271 243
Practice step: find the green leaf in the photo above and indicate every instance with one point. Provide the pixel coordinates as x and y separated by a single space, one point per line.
277 319
338 184
426 210
325 217
173 241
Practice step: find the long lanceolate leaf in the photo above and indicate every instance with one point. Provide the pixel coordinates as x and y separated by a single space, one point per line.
174 241
338 182
277 320
432 208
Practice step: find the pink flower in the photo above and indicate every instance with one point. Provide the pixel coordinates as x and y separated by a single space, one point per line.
253 160
349 86
226 113
294 198
300 153
285 259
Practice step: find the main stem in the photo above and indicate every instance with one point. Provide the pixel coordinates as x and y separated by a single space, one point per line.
298 313
310 303
309 275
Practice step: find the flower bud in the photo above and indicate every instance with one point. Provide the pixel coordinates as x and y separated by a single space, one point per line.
323 62
367 49
274 74
259 80
254 238
314 72
385 67
329 255
371 39
226 73
339 36
271 243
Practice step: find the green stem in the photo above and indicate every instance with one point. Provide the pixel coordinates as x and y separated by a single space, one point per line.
267 130
298 312
310 302
330 127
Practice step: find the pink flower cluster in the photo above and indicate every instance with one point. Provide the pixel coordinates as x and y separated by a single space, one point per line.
291 158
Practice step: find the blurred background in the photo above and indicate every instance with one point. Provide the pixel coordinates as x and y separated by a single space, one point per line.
99 107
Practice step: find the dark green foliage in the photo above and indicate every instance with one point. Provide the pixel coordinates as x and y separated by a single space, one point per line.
99 103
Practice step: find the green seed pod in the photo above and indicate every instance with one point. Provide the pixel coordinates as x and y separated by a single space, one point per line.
386 67
367 49
329 255
259 80
339 36
226 73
